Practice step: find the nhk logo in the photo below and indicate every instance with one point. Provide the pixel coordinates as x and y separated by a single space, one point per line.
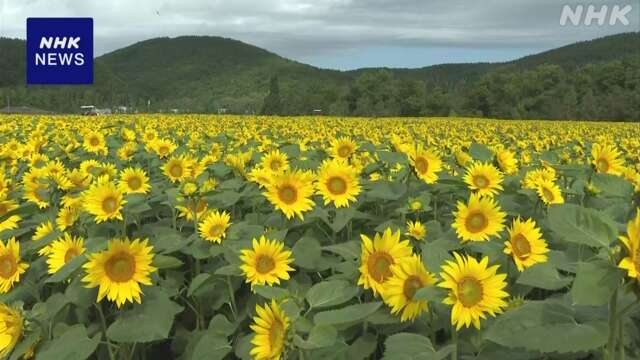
59 50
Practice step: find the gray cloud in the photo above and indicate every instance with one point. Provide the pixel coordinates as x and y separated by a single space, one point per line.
308 29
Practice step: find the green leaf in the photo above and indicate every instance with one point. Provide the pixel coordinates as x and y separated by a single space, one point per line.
197 282
307 252
166 262
363 347
543 276
348 250
547 326
72 344
386 190
220 325
330 293
211 346
480 152
595 282
150 321
392 158
408 346
431 294
346 315
581 225
319 337
271 292
65 271
612 185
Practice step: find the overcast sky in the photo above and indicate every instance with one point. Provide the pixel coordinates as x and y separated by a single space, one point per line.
340 34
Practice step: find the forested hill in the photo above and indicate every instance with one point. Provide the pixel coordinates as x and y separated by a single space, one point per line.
597 79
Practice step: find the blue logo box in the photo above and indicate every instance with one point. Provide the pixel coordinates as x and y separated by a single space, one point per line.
59 51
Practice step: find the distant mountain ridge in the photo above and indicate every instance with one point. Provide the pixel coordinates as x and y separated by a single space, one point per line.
205 73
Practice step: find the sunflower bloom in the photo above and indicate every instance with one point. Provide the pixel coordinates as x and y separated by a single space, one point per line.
409 275
475 289
478 220
11 325
134 181
104 200
416 230
525 244
426 164
119 270
10 266
291 192
607 159
631 242
484 179
214 226
270 326
378 255
64 250
266 263
549 192
338 182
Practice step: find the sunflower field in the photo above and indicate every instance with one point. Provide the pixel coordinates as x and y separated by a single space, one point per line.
243 237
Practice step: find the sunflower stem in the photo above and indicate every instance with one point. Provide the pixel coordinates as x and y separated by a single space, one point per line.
232 298
620 354
454 341
613 304
103 322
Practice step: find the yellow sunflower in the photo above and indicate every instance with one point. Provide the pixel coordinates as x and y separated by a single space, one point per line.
67 216
343 148
214 226
104 200
64 250
507 161
416 230
134 180
549 192
120 270
475 289
484 179
478 220
377 257
606 159
291 192
426 163
11 326
409 275
94 142
525 244
177 168
7 205
338 182
266 263
275 161
270 326
631 242
10 266
199 204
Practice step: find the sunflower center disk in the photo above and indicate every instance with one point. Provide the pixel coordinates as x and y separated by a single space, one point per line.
121 267
476 222
265 264
94 141
411 285
547 194
469 291
603 165
288 195
275 165
216 230
481 181
379 266
422 165
8 266
337 185
276 334
3 209
176 170
70 254
134 183
344 151
109 204
521 246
